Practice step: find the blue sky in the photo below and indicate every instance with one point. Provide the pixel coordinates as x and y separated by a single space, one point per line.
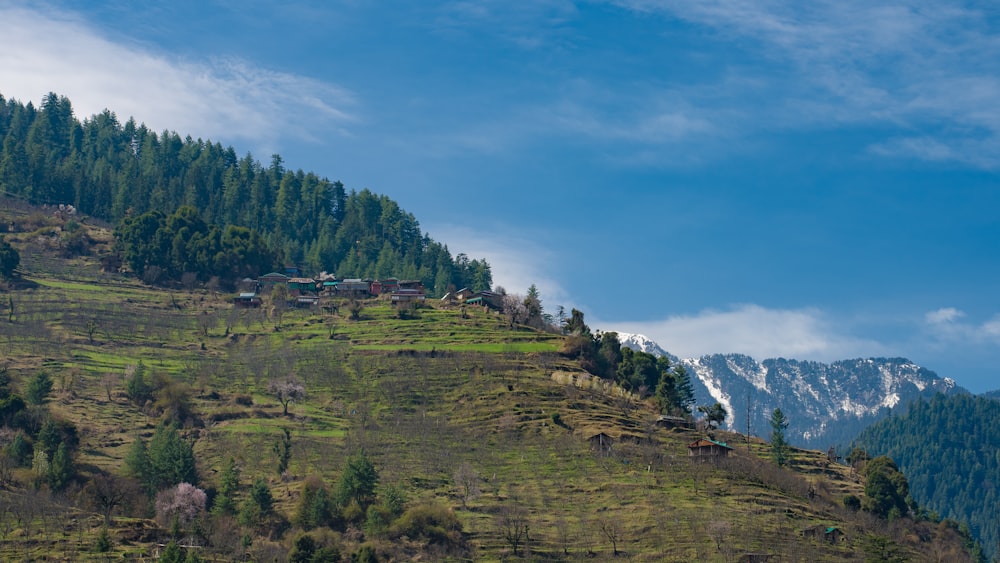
723 176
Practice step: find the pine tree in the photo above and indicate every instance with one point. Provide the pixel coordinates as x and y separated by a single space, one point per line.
38 389
137 465
779 447
61 469
229 484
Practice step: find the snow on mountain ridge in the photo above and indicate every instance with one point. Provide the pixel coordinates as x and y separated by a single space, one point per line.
825 403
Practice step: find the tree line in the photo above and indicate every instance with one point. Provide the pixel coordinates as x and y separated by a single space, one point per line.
118 172
949 449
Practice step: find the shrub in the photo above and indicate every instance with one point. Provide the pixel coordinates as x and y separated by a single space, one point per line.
432 522
103 543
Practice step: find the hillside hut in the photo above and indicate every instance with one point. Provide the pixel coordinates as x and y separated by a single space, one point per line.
708 449
247 299
828 534
601 443
666 421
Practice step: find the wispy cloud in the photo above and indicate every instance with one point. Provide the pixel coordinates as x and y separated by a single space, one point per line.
517 259
226 98
526 25
804 334
924 70
948 327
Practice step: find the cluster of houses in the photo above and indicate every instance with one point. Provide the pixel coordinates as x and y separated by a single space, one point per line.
306 292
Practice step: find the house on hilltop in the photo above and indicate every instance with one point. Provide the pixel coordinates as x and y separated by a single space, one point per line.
378 287
299 286
487 299
267 281
247 299
708 449
407 295
354 288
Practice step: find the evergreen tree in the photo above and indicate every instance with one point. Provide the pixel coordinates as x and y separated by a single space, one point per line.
138 466
38 388
685 391
715 414
10 259
20 449
258 505
779 447
137 389
229 484
61 469
171 458
357 482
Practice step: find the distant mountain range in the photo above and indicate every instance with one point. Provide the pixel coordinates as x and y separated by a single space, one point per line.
826 404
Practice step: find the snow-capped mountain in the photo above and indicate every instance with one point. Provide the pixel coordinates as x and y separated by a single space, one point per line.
825 404
643 344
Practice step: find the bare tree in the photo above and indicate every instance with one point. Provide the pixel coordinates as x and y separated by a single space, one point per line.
718 530
279 303
287 391
467 481
612 529
564 534
108 382
512 524
514 310
108 492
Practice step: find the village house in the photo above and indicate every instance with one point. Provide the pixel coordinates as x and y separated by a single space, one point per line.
389 285
412 284
666 421
407 296
601 443
486 299
247 299
354 288
306 301
267 281
829 534
299 286
708 449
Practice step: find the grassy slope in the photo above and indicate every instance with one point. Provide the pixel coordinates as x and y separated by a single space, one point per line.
422 396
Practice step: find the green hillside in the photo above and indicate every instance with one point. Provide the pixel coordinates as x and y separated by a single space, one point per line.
479 435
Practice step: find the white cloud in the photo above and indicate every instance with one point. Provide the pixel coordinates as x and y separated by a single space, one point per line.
219 99
804 334
944 315
516 259
946 327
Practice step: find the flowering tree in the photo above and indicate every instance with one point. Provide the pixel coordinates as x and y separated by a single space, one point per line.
183 502
287 391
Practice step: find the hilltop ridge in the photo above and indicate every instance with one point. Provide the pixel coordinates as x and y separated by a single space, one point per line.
456 410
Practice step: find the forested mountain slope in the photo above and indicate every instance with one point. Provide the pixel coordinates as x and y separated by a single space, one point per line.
949 449
113 170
